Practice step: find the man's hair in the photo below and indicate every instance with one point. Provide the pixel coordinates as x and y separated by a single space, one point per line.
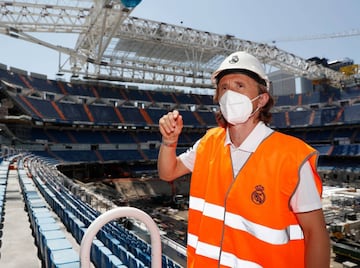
264 112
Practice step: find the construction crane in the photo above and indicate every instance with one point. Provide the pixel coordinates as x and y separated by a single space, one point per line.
349 69
344 34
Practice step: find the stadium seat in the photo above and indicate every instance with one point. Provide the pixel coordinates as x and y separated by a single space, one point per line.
64 258
53 245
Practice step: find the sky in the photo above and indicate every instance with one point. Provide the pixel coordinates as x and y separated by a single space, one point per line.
290 25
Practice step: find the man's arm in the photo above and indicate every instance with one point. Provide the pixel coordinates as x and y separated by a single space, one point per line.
317 240
170 166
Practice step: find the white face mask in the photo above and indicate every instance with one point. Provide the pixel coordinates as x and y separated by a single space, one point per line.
236 107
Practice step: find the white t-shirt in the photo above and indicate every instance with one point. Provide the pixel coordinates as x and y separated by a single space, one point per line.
306 197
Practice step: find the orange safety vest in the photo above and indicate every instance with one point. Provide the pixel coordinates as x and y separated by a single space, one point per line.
247 221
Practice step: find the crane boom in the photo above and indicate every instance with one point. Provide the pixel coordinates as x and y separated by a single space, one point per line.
344 34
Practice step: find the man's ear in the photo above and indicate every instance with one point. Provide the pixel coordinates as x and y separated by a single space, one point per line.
263 99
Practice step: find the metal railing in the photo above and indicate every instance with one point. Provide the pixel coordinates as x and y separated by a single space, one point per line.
116 213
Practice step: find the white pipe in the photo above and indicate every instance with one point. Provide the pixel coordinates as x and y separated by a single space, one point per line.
113 214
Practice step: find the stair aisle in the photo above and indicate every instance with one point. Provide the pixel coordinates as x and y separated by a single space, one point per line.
18 248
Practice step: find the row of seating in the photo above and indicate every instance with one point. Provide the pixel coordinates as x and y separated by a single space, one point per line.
93 90
92 137
120 92
54 249
91 156
69 215
67 113
348 150
114 244
4 170
318 117
321 96
84 136
103 115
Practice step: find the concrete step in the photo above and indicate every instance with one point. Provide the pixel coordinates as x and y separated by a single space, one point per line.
18 248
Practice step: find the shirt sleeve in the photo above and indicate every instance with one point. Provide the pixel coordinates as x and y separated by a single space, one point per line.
188 157
306 197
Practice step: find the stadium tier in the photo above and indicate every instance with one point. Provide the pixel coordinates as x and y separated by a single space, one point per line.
100 130
100 122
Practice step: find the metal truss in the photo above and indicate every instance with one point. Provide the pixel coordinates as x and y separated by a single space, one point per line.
114 46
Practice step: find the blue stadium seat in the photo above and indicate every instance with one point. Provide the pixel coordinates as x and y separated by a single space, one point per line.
162 97
104 115
299 118
132 116
53 245
46 236
286 100
120 251
114 262
96 253
105 256
278 120
352 114
329 115
64 258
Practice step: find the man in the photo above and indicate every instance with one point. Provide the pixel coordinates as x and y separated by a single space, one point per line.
255 195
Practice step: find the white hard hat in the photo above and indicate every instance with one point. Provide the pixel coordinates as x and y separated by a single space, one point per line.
242 61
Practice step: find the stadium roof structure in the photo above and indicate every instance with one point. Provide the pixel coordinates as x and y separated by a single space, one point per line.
114 46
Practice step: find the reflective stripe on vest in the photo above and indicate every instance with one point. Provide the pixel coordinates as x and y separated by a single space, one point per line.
207 209
266 234
213 252
231 260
